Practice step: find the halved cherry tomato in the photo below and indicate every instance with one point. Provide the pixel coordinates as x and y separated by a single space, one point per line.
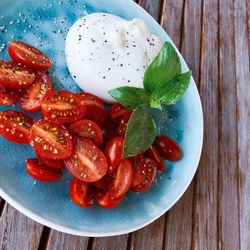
14 126
88 130
150 177
168 148
9 96
28 55
15 75
154 155
95 108
109 131
124 123
121 179
38 171
87 162
104 199
50 141
116 112
103 182
34 94
139 169
61 107
51 163
81 193
113 152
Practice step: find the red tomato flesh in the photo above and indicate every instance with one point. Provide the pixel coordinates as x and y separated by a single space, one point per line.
87 162
28 55
116 112
95 108
104 199
81 193
61 107
124 123
103 182
50 141
9 96
14 126
15 75
154 155
168 148
113 152
121 179
88 130
34 94
38 171
51 163
109 131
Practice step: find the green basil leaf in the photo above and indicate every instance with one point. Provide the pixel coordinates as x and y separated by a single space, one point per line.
140 133
173 90
164 67
130 97
155 104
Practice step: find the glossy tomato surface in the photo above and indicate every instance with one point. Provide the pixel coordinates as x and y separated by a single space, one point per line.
34 94
61 107
103 182
14 126
9 96
51 163
116 112
87 162
28 55
153 154
50 141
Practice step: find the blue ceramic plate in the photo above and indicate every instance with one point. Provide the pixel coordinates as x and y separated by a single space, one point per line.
44 24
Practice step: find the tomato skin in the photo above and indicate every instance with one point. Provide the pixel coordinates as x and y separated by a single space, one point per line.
88 130
96 110
23 53
81 193
15 75
14 126
61 107
116 112
168 148
121 179
124 123
50 141
39 172
103 182
34 94
87 162
154 155
51 163
9 96
104 199
109 131
113 152
150 177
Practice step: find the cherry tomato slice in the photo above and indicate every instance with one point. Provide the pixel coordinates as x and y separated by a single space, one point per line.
38 171
124 123
87 162
51 163
9 96
113 152
81 193
34 94
103 182
109 131
150 177
14 126
15 75
116 112
168 148
121 179
154 155
104 199
28 55
139 169
95 108
61 107
50 141
88 130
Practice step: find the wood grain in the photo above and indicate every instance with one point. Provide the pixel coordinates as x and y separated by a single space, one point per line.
18 231
152 7
243 118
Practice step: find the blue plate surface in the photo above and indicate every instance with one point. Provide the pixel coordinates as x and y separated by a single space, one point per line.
44 24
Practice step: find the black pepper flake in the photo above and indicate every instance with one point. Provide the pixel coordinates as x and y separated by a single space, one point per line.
121 65
104 77
93 40
105 41
109 68
74 76
134 46
104 33
113 59
128 80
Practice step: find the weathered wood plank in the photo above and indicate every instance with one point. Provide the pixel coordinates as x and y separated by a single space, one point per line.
228 213
243 117
18 231
58 240
152 7
107 243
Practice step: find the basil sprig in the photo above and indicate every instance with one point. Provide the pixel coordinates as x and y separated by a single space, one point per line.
164 84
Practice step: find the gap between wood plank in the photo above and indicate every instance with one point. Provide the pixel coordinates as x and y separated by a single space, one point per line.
2 203
44 238
90 243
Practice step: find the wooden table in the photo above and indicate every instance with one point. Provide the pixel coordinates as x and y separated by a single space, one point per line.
214 213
